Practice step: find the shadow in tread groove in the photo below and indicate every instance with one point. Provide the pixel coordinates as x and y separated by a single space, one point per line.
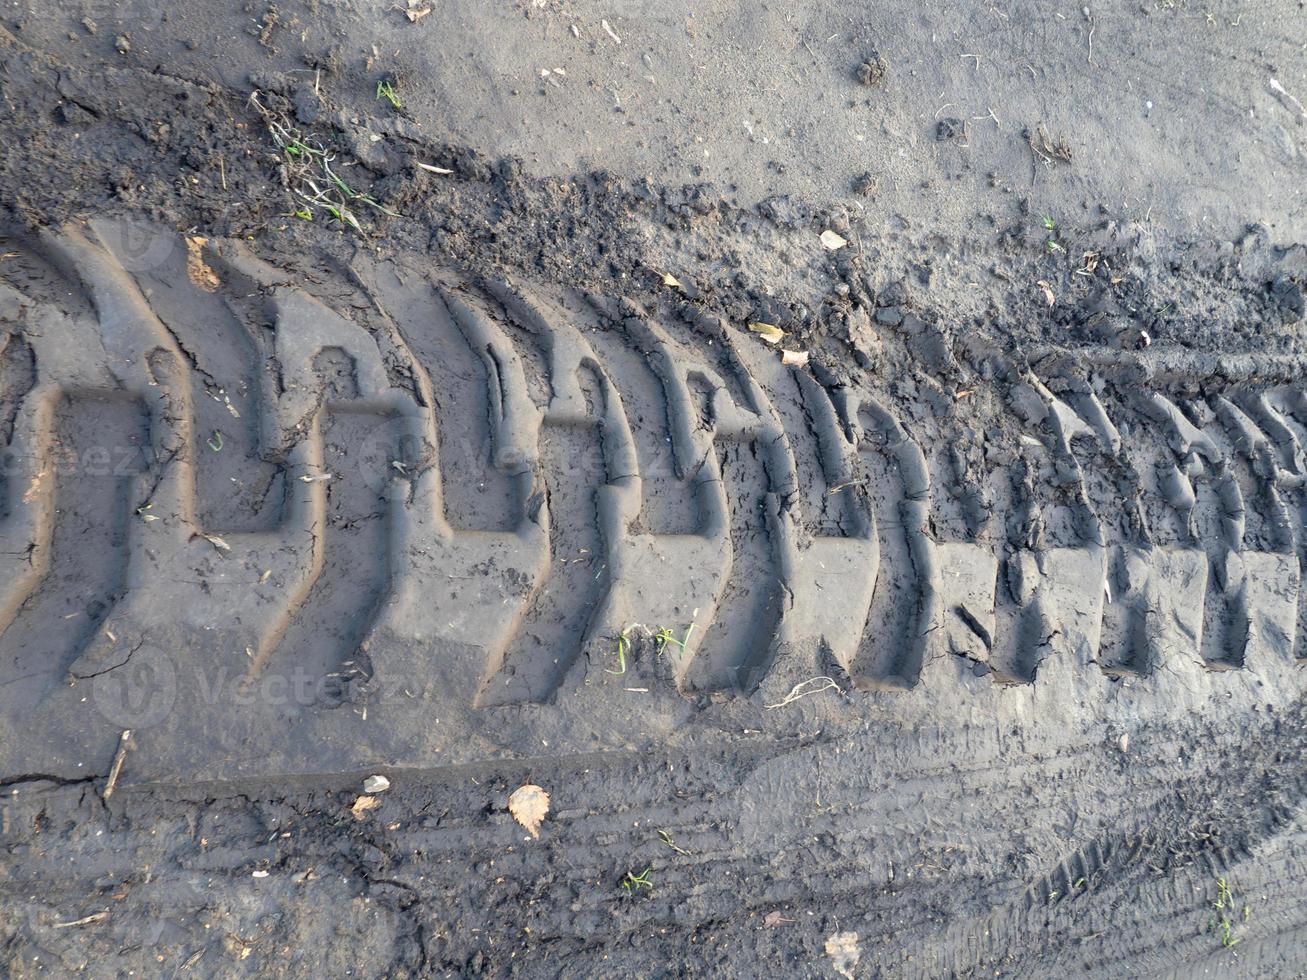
893 616
735 651
322 643
101 443
556 623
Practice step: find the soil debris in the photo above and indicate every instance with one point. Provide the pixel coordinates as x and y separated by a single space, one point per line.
1046 147
950 128
416 10
85 920
872 71
124 744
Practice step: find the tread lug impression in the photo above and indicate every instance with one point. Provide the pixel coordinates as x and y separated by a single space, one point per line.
491 513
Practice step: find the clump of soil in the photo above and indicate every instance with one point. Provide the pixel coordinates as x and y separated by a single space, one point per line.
872 71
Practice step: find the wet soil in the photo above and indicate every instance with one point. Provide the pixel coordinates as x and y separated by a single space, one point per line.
1117 182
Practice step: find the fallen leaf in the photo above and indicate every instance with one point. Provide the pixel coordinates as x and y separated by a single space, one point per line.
362 805
833 240
33 488
417 9
1048 291
773 919
529 804
197 270
671 280
767 331
842 948
217 542
376 784
794 358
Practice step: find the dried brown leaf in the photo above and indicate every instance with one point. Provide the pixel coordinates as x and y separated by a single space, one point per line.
529 805
794 358
844 952
767 331
198 271
33 488
417 9
362 805
1048 291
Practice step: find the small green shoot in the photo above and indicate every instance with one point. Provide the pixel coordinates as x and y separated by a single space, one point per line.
633 882
623 644
1224 906
308 169
386 90
1050 226
665 636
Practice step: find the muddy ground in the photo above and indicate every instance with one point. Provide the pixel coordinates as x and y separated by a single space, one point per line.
1111 192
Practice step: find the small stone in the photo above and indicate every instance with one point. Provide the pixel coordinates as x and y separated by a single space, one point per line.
376 784
122 43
